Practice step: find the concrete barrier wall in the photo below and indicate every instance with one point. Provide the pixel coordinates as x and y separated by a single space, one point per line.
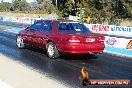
116 44
119 46
26 20
19 19
110 29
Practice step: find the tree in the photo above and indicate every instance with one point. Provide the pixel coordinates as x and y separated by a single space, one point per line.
20 5
45 6
65 7
4 6
96 8
40 1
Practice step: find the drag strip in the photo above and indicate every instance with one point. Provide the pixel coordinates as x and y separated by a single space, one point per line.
67 68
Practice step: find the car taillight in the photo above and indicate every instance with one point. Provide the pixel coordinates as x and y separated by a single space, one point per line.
102 39
74 40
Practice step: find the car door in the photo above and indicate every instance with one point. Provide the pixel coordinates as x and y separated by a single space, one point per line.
28 34
43 36
37 32
32 33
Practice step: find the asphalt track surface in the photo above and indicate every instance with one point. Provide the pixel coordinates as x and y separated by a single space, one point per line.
67 68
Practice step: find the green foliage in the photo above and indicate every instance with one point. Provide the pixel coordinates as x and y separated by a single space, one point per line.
40 1
46 6
4 6
64 8
96 8
20 5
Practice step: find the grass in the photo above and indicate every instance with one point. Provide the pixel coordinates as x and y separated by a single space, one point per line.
126 23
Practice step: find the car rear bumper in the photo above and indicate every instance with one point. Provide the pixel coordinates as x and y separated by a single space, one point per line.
83 48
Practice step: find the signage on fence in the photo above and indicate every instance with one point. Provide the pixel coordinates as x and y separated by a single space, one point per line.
1 18
9 19
16 19
116 42
99 27
74 18
121 29
111 41
110 29
129 46
23 20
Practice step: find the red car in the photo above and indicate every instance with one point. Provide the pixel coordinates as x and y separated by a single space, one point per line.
61 36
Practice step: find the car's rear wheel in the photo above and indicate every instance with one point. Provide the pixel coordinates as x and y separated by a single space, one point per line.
52 50
20 43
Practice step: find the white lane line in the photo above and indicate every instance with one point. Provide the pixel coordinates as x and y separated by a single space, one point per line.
4 84
14 30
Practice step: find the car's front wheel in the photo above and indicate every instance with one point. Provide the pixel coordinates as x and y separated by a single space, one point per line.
20 43
52 50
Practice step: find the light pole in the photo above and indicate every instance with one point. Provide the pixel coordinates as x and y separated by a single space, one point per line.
81 12
56 3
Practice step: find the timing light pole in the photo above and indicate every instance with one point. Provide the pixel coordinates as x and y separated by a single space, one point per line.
81 13
56 3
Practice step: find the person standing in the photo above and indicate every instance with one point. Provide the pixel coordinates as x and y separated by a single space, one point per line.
85 77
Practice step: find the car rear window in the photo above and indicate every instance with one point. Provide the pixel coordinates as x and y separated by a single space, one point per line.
73 28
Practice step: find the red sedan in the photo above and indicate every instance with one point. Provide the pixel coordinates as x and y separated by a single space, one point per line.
61 36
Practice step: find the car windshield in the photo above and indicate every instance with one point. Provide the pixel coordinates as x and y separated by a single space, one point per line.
73 27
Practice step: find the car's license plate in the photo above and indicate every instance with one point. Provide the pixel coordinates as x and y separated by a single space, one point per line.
90 39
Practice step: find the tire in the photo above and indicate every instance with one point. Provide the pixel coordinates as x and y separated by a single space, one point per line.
52 51
20 43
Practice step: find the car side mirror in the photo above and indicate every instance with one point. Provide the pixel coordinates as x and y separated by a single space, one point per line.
27 28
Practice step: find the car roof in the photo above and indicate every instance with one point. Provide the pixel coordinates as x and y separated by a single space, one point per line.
66 20
43 20
61 21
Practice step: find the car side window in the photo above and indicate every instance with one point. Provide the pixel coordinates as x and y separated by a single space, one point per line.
47 26
63 27
66 27
36 26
